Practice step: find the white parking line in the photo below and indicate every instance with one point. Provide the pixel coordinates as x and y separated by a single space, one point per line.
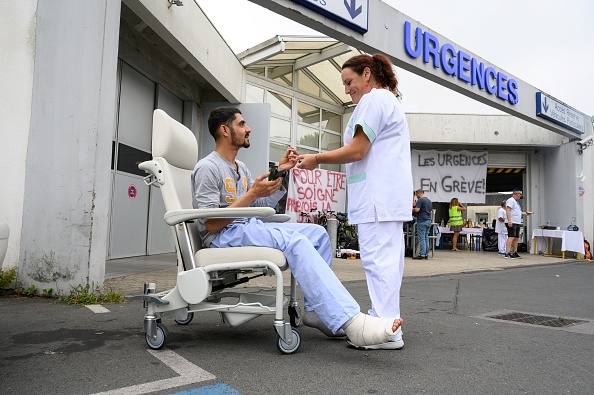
97 308
188 374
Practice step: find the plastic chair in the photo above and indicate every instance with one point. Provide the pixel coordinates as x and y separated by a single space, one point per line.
206 275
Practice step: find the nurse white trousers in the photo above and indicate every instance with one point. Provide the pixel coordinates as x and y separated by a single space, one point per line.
381 245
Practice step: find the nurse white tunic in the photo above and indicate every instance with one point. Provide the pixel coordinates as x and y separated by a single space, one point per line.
380 184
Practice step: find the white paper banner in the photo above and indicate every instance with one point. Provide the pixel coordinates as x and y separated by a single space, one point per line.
318 190
445 175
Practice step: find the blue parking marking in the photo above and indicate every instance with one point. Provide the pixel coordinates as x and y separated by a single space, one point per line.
217 389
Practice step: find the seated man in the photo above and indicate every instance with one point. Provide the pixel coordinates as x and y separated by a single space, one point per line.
219 180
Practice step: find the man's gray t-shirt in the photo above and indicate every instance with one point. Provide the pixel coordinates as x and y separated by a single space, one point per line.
216 183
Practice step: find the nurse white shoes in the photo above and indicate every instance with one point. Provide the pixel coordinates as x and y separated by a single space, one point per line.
393 345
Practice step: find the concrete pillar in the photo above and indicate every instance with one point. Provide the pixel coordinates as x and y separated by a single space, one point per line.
67 161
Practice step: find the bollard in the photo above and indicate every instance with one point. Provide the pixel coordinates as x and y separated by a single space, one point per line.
332 229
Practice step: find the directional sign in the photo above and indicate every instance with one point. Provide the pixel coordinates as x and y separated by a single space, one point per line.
350 13
560 113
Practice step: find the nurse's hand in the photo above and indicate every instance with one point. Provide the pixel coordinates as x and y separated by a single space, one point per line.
307 162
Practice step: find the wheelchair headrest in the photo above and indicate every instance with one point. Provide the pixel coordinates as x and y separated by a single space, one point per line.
173 141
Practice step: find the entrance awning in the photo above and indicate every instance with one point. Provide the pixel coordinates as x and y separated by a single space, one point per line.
317 61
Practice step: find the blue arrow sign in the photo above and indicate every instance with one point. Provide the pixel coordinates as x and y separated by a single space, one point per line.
352 8
560 113
545 105
350 13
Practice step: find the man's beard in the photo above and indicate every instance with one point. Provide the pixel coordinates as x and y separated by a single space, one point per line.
236 141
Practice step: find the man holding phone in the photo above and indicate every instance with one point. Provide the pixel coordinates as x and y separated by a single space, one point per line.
276 173
220 180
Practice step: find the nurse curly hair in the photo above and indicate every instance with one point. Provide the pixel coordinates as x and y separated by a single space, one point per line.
380 67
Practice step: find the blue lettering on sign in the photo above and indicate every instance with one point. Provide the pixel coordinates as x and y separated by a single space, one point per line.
463 66
560 113
460 64
447 59
431 47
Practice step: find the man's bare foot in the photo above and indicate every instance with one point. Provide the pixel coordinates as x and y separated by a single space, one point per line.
311 319
397 324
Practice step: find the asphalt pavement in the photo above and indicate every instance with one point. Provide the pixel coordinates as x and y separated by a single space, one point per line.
453 345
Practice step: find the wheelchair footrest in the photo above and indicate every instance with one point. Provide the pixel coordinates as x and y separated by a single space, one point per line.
147 298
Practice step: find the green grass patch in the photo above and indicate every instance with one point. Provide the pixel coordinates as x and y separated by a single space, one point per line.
8 281
80 294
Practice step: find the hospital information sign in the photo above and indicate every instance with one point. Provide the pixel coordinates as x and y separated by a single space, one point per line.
555 111
350 13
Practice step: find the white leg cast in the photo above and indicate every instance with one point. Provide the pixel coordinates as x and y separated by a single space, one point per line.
365 330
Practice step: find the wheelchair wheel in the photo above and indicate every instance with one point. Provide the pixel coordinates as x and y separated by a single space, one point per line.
286 348
161 340
294 317
188 319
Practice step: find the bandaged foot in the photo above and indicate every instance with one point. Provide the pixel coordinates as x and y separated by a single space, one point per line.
311 319
365 330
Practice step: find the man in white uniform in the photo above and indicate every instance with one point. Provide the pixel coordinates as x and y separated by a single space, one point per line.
501 229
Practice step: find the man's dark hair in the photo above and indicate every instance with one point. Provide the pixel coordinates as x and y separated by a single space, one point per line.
221 116
420 191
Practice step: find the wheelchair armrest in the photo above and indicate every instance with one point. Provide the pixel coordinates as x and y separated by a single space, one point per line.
175 217
277 218
153 168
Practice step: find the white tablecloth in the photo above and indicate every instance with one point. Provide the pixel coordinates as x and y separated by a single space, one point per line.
570 240
444 230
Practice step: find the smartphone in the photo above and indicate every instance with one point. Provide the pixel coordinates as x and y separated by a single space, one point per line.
276 173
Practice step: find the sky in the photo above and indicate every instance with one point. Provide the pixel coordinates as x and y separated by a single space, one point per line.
546 43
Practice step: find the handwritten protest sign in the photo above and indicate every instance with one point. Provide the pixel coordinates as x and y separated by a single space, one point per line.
318 190
444 175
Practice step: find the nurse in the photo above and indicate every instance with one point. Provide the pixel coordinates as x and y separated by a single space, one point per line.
376 152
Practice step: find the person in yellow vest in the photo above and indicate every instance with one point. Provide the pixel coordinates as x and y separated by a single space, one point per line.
456 222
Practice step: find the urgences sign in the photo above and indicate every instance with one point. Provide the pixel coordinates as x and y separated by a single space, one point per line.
460 64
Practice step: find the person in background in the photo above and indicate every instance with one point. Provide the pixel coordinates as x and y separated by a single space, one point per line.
422 210
501 229
514 222
376 152
220 180
456 222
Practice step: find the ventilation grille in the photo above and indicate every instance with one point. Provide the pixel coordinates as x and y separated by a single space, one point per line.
556 322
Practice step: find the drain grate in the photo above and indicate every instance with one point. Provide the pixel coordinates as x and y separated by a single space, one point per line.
556 322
